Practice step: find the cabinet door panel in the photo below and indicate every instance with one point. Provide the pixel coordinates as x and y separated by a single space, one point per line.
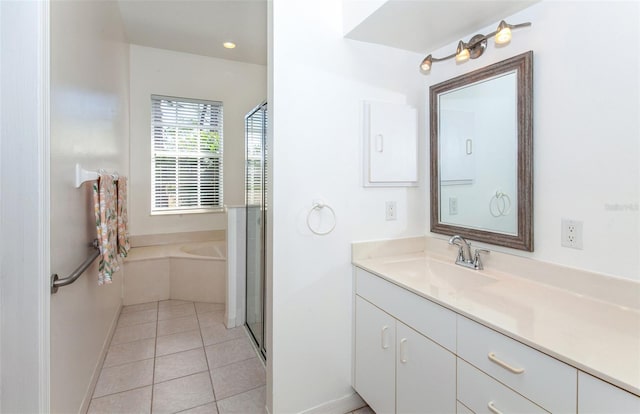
598 397
426 374
375 352
392 136
426 317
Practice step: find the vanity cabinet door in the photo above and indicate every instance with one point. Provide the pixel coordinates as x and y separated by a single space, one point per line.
598 397
426 380
375 357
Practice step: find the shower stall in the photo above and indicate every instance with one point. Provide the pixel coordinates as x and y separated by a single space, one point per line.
255 201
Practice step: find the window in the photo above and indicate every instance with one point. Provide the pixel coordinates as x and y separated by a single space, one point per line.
255 132
186 159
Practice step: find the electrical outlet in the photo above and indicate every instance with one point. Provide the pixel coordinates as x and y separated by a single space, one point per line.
390 210
571 234
453 206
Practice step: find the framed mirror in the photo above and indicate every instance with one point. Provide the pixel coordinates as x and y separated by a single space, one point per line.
481 154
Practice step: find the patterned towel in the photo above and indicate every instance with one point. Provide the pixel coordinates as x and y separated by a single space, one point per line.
104 199
123 220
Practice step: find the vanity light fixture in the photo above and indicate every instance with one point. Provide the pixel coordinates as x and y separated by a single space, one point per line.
475 47
462 52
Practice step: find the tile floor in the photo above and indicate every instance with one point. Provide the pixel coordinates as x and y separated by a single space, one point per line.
177 356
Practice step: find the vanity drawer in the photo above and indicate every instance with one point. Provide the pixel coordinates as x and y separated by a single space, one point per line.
539 377
483 394
432 320
462 409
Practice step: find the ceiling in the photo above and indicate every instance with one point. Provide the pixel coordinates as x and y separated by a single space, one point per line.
199 27
426 25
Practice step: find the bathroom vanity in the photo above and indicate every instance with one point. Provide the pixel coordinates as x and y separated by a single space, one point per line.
433 337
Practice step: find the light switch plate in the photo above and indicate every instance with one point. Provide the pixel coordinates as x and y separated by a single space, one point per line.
390 210
453 206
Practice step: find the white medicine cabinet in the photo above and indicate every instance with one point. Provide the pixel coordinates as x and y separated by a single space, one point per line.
390 145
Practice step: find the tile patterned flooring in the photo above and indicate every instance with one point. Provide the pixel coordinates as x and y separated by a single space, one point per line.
177 356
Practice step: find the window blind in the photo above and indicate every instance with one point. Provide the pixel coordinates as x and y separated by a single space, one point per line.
186 158
255 131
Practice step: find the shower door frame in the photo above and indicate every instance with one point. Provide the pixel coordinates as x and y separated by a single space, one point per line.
263 232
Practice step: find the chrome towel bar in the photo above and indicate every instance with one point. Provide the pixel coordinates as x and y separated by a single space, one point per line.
56 282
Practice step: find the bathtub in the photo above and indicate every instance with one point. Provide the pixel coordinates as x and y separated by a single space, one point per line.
185 271
216 250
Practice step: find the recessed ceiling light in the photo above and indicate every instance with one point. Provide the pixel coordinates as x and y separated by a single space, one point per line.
229 45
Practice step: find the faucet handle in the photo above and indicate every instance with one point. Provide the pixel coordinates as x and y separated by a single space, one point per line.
477 261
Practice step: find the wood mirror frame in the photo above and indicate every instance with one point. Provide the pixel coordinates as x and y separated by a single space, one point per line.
523 240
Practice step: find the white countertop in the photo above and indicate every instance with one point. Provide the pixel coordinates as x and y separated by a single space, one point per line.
594 335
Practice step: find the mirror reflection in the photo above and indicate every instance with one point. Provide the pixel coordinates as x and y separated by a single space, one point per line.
478 155
481 154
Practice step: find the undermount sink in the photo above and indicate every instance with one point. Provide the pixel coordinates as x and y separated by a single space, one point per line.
429 272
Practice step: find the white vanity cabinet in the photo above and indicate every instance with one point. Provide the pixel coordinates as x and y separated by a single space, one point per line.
598 397
425 374
375 356
414 356
396 368
544 380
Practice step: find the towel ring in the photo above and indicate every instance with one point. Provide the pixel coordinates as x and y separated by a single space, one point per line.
500 204
318 207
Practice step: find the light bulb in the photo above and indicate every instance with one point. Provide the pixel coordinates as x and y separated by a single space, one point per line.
462 53
503 34
463 56
426 64
229 45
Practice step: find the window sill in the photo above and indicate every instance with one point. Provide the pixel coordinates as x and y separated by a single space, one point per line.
191 211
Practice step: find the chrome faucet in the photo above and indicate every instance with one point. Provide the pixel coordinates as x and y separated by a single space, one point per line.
464 253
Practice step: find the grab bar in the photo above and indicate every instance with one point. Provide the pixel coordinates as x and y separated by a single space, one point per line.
56 282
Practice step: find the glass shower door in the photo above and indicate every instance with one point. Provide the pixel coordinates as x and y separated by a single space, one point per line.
255 134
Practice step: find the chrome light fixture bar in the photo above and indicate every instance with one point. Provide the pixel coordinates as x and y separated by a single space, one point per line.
475 47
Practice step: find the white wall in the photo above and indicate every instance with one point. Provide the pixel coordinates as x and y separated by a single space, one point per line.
240 86
319 83
89 125
586 127
24 212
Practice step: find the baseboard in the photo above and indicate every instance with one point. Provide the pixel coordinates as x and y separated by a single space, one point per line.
342 405
96 372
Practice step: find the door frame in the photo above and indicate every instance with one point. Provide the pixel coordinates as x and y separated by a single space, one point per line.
24 206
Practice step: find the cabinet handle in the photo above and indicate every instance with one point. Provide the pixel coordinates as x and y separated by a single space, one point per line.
403 350
384 339
493 408
495 360
379 143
